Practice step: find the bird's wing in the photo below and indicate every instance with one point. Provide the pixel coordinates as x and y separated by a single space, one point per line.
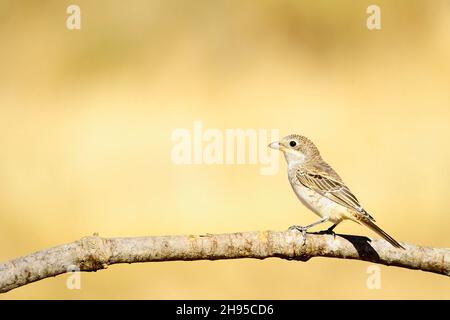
325 181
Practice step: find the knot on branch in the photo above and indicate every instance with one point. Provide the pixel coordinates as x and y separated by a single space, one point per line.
96 253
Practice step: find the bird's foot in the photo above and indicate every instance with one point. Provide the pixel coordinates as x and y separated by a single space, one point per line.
300 229
328 231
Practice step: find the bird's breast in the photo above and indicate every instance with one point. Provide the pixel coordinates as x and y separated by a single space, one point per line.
320 205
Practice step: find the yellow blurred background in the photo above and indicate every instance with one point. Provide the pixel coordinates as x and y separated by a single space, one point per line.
86 118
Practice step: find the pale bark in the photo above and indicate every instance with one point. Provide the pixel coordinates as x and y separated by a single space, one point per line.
95 253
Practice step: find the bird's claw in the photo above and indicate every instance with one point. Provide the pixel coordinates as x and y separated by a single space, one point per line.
328 231
300 229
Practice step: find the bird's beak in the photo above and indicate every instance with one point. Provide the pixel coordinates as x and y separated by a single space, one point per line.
275 145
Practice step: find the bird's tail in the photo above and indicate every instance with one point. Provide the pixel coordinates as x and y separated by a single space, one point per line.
371 225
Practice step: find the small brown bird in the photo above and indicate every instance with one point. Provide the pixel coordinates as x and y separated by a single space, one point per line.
321 189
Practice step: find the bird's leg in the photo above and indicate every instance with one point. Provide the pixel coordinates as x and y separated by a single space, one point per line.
303 230
330 230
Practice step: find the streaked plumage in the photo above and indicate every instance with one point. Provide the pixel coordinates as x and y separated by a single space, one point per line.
320 188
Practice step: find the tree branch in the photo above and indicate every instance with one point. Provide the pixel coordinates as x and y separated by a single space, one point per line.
95 253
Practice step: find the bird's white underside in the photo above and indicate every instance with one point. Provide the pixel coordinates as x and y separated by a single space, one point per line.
320 205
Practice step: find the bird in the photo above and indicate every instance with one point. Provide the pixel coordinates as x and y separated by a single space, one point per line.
321 189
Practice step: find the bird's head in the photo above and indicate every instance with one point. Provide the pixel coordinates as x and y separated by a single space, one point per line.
296 148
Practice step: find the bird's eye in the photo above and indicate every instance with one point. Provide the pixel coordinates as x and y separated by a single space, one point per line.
292 143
